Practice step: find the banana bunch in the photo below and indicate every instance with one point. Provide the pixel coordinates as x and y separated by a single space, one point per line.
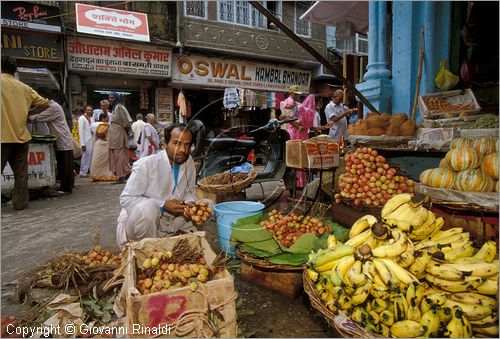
405 277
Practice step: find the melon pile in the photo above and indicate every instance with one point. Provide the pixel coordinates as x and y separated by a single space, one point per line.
470 165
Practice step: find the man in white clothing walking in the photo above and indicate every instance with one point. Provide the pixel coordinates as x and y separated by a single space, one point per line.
161 186
336 115
137 127
150 141
85 140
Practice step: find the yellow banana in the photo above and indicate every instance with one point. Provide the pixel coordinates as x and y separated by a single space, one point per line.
410 292
484 269
422 258
401 224
400 307
452 255
420 216
426 305
445 314
490 331
374 317
438 298
361 294
399 272
378 305
395 249
459 326
445 272
362 224
355 274
429 221
359 239
379 292
326 266
421 290
330 254
344 303
335 278
385 274
430 319
467 284
492 318
385 330
393 203
473 312
407 329
489 287
413 312
443 243
443 234
485 254
331 241
343 266
359 315
423 233
337 292
387 317
371 241
407 258
369 270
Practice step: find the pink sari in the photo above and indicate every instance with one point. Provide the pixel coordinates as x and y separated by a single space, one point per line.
306 112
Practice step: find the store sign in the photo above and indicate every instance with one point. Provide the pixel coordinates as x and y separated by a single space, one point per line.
200 70
111 22
26 45
90 55
30 16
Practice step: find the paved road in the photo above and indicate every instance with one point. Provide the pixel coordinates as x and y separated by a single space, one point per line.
52 225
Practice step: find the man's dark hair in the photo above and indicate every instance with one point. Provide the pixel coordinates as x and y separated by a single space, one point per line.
171 127
9 64
102 116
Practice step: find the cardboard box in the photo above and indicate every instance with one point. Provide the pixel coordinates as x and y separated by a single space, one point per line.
453 97
164 310
315 153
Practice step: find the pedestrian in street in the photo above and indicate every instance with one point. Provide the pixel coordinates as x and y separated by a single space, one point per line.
137 127
56 121
99 168
289 106
150 140
85 133
317 127
336 115
162 186
118 139
104 108
17 98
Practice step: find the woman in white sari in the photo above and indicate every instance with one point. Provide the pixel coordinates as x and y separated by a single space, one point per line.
99 169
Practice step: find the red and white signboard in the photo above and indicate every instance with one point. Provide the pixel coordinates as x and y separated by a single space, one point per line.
111 22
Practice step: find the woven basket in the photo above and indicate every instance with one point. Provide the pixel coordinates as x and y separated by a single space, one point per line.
233 187
373 210
339 321
251 260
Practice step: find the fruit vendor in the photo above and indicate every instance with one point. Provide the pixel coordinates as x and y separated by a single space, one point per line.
160 191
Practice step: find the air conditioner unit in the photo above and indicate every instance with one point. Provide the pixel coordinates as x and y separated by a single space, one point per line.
75 84
321 72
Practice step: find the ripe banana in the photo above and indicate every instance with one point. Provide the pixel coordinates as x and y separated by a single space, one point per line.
373 317
344 303
400 307
467 284
413 312
431 320
445 314
486 321
369 270
379 305
410 292
385 330
452 255
443 234
438 298
445 272
355 274
330 254
421 290
473 312
403 275
489 287
426 305
331 241
459 326
484 269
401 224
359 315
362 224
361 294
428 230
407 329
491 331
407 258
398 247
444 242
342 267
379 292
422 258
337 292
385 274
393 203
485 254
359 239
427 227
387 317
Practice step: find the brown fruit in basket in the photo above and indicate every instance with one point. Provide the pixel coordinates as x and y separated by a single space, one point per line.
393 130
351 129
372 114
408 128
386 116
362 127
376 131
376 122
398 119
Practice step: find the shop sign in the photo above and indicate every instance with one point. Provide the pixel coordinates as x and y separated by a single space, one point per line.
111 22
90 55
164 104
201 70
26 45
41 169
33 16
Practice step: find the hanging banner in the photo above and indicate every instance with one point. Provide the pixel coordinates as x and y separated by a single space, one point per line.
201 70
112 22
26 15
111 57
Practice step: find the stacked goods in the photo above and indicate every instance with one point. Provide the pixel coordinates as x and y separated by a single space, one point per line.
485 121
470 165
200 212
224 178
369 179
405 277
375 124
183 266
284 240
440 104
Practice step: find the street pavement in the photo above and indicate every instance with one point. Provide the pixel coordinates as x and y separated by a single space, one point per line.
52 225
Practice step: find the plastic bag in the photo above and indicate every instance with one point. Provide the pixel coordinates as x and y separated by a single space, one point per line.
445 80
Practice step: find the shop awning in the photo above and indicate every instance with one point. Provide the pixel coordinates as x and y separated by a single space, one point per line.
339 13
37 77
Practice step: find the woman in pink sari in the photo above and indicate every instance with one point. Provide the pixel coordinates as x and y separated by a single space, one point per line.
299 130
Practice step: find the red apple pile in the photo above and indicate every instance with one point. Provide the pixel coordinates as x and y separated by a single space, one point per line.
286 229
370 180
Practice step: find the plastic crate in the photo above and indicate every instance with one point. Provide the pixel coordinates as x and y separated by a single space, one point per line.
462 97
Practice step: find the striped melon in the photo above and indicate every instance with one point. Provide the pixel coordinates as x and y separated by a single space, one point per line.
438 177
461 159
461 143
489 165
484 146
444 163
474 180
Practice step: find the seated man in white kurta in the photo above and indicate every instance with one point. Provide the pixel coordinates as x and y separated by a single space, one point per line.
161 186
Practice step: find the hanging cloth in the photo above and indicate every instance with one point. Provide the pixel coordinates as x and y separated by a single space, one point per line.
231 98
181 102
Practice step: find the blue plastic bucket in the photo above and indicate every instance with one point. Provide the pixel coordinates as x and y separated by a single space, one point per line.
227 213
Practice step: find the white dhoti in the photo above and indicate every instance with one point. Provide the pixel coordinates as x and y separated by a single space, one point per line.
143 220
86 159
